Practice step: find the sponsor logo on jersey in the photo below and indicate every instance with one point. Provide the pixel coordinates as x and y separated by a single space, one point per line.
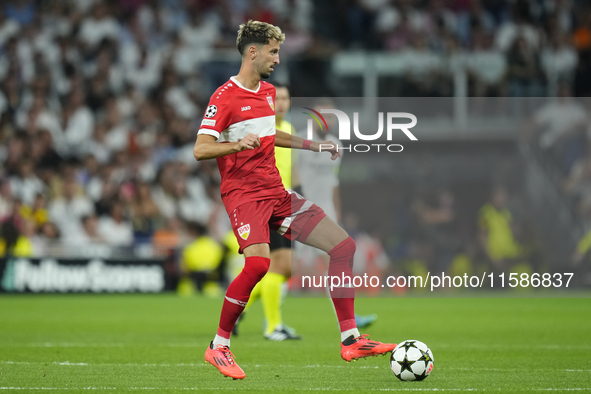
208 122
247 108
270 100
244 231
211 111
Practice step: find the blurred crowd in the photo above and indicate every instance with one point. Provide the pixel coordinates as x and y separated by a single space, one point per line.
518 48
100 100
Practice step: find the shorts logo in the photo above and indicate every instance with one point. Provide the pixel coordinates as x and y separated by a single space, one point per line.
211 111
244 231
270 100
207 122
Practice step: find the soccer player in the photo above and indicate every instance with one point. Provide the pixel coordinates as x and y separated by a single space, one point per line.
322 182
239 131
270 288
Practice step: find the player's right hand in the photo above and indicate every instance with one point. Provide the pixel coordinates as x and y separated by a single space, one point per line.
250 142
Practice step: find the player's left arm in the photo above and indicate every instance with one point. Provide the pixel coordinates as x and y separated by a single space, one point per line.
286 140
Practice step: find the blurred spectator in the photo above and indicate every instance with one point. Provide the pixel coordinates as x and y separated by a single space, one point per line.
47 240
297 40
170 236
118 134
559 60
99 26
487 66
360 17
97 146
561 123
202 32
78 123
37 213
143 69
24 246
25 186
21 11
396 35
496 232
299 12
9 27
68 210
89 235
43 152
9 233
475 18
6 200
518 28
524 73
563 13
423 68
14 153
257 10
184 58
578 182
114 228
144 212
202 257
436 218
582 43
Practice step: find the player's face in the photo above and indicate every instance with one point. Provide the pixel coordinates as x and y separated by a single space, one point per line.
267 58
282 102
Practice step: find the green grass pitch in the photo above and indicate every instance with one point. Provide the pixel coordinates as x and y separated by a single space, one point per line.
155 343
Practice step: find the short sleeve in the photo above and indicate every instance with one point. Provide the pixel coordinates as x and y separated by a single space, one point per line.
216 118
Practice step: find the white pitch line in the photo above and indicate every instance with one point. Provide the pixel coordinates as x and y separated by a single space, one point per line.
455 346
298 389
68 363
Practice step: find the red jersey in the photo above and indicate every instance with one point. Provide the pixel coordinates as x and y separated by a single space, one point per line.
233 112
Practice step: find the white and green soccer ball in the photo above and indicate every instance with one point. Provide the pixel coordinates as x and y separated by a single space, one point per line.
411 360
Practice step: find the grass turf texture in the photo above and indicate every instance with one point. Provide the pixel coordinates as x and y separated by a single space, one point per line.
156 343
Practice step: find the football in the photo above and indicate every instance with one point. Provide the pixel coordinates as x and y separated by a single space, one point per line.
411 360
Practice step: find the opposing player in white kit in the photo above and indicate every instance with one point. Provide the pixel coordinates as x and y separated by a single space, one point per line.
319 180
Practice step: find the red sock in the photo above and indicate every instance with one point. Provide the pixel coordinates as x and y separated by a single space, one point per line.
238 292
341 265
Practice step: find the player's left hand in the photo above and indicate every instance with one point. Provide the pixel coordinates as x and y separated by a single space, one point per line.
335 153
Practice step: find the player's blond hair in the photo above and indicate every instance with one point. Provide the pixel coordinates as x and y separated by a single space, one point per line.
255 32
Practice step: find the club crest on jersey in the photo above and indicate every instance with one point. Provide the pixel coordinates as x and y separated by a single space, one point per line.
244 231
211 111
270 100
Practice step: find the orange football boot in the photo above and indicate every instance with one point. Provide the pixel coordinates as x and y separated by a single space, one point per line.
222 358
360 347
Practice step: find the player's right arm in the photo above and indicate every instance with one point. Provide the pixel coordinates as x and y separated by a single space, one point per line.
206 146
216 120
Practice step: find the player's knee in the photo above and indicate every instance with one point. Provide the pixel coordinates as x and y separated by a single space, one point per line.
256 266
345 248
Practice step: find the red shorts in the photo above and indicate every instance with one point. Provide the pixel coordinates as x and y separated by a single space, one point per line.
291 215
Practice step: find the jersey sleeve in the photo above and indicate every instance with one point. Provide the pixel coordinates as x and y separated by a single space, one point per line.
216 118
